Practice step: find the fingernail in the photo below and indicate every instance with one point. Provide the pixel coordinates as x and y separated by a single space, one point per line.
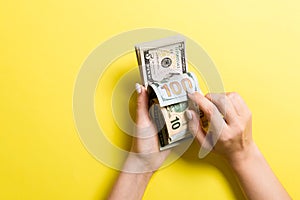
190 96
138 88
189 114
189 92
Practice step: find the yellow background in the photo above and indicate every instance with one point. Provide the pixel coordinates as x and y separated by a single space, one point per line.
254 44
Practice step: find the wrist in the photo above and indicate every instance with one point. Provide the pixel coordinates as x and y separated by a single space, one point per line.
136 165
244 157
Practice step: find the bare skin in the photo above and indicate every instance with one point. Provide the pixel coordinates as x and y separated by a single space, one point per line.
139 167
235 143
231 137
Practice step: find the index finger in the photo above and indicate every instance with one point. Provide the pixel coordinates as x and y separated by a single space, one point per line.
239 104
208 108
224 105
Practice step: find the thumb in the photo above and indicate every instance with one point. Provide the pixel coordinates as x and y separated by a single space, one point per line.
194 126
142 105
196 129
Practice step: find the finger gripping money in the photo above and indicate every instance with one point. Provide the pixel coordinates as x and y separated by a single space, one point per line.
163 70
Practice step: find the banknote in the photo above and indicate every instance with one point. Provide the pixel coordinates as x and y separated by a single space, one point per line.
171 122
167 107
174 88
164 72
160 58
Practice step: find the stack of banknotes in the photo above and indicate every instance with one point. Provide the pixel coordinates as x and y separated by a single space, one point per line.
164 72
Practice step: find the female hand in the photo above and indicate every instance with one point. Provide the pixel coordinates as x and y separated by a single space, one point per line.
145 155
230 131
144 158
230 135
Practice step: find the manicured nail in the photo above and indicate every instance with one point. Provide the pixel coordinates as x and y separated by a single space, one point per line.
189 114
138 88
190 94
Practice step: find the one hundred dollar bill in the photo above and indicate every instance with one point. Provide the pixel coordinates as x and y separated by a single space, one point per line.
160 58
173 89
168 107
164 72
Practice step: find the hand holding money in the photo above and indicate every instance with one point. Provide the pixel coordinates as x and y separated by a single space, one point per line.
168 104
163 69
